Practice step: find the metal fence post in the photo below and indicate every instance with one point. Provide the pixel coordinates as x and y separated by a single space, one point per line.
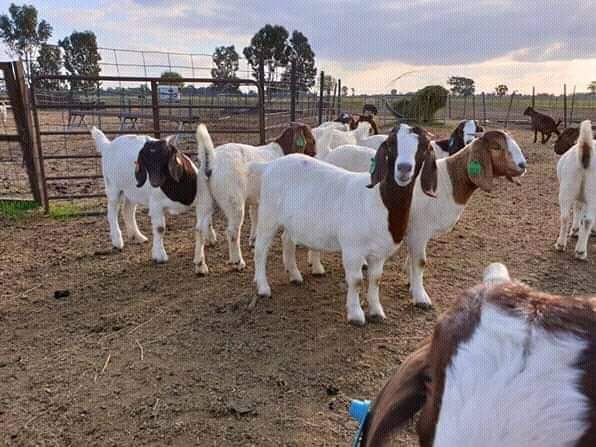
293 91
484 107
473 107
339 96
533 97
155 108
262 135
509 110
449 105
564 105
321 92
572 106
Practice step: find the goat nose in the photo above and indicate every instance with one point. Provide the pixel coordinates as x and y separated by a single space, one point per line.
404 167
522 165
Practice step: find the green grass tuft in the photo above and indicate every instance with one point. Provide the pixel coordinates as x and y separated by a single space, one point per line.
17 209
64 211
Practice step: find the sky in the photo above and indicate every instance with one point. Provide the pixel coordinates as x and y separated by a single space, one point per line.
367 44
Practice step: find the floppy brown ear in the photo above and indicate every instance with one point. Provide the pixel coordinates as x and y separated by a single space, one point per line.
428 176
400 399
379 168
140 172
480 167
175 166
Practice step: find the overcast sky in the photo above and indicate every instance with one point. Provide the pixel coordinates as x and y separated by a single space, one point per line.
367 43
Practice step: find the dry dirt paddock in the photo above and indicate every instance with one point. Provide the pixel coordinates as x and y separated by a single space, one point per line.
140 354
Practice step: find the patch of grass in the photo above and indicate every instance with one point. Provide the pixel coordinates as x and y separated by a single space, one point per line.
64 211
17 209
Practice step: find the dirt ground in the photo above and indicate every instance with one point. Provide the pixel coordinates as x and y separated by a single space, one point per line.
146 355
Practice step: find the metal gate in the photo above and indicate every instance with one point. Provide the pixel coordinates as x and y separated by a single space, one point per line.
65 107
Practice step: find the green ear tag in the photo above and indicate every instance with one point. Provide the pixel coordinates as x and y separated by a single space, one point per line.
373 164
300 142
474 168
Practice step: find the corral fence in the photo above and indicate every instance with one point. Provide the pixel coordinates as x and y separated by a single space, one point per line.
53 116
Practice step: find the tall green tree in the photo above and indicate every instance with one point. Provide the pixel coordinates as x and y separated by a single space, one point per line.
270 43
344 90
22 33
461 85
301 53
49 62
81 57
226 67
592 87
171 78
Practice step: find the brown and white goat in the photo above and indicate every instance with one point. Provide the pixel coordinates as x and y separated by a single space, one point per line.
506 366
542 123
127 162
353 120
224 179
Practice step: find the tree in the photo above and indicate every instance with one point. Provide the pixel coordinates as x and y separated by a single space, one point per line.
271 44
353 91
461 86
22 33
592 87
501 89
329 84
393 92
303 56
226 66
49 62
344 90
170 78
81 57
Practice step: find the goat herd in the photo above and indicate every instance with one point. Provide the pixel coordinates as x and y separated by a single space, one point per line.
507 365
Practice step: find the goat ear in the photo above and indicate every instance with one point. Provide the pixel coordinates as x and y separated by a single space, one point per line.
378 168
480 167
175 166
170 139
400 399
140 172
428 176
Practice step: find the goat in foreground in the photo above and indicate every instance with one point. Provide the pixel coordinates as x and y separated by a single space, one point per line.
542 123
576 171
506 366
327 208
224 179
126 163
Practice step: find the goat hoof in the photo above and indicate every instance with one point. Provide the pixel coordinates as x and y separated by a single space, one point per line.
323 273
201 269
240 265
160 261
581 255
297 282
376 318
117 249
423 306
357 322
559 247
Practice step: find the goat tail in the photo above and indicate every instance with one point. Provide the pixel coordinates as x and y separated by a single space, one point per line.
100 138
585 144
205 148
495 273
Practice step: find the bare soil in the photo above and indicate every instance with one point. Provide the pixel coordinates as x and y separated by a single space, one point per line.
146 355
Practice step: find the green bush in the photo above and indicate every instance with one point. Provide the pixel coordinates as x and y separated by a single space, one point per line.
424 104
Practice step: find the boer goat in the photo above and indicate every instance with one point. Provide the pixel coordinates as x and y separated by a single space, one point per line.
327 208
576 171
542 123
464 133
566 141
506 366
224 179
127 161
352 120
